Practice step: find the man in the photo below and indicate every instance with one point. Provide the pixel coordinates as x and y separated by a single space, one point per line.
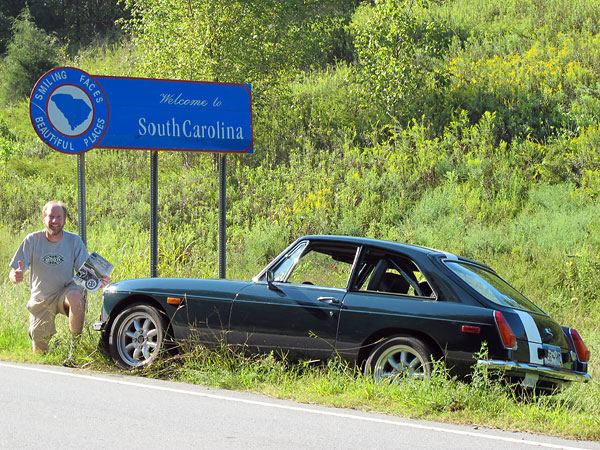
53 256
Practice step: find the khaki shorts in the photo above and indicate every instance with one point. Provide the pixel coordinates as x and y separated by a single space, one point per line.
42 313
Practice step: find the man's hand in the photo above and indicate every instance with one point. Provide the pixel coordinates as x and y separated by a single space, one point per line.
16 275
105 281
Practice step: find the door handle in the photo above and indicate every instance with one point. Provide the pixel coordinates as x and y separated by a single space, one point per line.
328 300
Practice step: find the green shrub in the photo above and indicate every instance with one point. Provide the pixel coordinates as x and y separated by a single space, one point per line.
9 145
30 54
399 52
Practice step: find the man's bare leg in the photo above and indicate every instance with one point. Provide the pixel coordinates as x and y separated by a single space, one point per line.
40 347
75 309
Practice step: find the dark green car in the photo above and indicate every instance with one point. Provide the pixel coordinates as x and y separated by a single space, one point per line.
391 308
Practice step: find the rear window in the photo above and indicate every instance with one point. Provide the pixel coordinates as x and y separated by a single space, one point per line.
491 286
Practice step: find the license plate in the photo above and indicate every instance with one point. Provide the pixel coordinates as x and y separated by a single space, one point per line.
553 355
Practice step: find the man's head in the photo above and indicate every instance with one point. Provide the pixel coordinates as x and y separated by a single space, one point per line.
54 217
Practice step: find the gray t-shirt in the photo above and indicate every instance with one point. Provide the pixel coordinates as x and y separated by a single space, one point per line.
53 264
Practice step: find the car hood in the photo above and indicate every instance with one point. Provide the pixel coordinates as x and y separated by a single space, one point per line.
189 286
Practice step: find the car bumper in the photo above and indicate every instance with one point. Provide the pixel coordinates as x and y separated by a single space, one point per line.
532 374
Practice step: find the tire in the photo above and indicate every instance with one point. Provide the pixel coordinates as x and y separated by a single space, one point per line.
397 358
136 336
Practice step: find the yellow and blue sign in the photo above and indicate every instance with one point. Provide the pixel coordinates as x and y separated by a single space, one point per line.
73 112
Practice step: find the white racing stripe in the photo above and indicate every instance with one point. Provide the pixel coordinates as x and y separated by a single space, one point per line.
533 336
306 410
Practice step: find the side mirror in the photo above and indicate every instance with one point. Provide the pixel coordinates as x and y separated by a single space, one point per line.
270 280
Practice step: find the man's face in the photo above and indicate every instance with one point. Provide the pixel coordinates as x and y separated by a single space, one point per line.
54 220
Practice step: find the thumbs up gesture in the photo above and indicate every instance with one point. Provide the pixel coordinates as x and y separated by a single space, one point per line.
16 275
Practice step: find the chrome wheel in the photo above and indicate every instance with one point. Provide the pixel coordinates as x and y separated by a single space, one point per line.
136 337
398 358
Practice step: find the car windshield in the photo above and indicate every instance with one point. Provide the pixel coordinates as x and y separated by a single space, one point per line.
291 259
491 286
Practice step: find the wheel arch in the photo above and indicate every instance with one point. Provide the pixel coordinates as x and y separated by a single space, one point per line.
371 342
127 302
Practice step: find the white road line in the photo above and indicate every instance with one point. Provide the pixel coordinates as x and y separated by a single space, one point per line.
288 407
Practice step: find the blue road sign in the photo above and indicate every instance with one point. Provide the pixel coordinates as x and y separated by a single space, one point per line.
73 112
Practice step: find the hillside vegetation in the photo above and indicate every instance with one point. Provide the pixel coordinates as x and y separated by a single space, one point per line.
467 125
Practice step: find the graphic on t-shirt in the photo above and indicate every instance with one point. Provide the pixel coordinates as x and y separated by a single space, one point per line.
52 260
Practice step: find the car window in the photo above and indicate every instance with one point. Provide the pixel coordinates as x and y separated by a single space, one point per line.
393 275
491 286
283 269
321 264
320 269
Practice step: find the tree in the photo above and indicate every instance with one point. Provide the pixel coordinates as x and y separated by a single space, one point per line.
5 24
30 54
9 10
239 40
84 20
76 22
399 53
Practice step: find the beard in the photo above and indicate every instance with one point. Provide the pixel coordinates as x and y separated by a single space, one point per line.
54 231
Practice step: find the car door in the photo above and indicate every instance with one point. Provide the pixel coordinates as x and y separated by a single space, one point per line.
391 296
297 311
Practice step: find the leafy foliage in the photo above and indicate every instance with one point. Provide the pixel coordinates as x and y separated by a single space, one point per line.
399 53
9 144
536 94
238 40
76 22
5 31
31 53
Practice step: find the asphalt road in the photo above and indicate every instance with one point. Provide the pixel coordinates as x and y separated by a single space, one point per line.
53 407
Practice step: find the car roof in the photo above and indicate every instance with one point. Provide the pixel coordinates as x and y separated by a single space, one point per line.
386 245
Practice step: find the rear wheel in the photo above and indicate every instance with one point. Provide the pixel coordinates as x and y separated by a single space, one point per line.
399 357
136 336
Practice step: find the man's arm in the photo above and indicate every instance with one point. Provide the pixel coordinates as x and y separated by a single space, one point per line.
16 275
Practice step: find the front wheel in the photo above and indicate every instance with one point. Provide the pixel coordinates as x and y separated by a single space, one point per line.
398 357
136 336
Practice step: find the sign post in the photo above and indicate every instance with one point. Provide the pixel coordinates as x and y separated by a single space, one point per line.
81 197
222 214
154 213
73 111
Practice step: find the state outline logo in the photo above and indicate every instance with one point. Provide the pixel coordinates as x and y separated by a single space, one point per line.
69 110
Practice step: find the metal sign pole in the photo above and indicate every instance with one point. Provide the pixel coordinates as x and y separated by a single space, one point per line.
222 214
153 213
81 197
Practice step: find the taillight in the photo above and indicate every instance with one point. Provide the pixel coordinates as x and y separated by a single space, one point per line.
582 351
509 340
